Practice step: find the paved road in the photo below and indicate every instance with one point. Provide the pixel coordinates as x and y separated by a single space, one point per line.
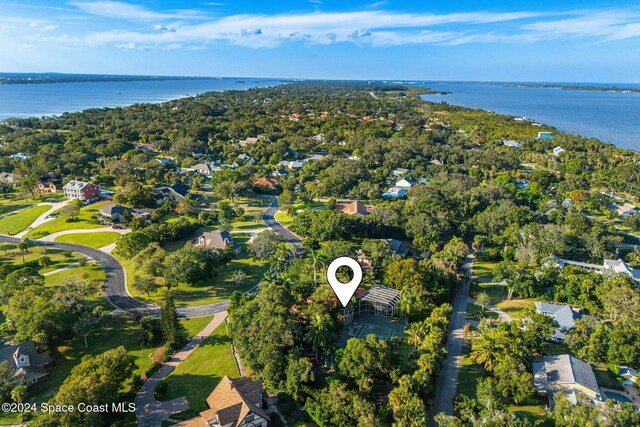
115 287
448 381
269 218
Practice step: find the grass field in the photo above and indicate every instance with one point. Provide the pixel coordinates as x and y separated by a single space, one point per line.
16 222
91 272
85 220
497 292
59 258
13 202
95 240
284 218
515 307
474 312
195 325
484 269
214 290
199 374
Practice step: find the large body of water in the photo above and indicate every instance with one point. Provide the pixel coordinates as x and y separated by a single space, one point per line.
44 99
609 116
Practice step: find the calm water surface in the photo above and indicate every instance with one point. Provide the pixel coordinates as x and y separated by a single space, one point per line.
609 116
44 99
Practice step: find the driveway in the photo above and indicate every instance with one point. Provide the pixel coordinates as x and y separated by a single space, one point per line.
149 411
44 217
448 381
269 218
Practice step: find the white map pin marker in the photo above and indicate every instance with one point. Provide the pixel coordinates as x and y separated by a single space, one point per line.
344 291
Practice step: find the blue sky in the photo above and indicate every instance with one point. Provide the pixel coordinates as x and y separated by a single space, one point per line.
581 41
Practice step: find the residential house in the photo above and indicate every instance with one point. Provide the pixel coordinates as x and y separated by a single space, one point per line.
165 161
355 208
545 135
629 374
609 266
47 184
204 168
319 137
295 164
565 374
404 183
176 192
436 162
247 141
268 184
280 172
145 147
28 365
80 190
522 184
20 156
626 210
395 193
246 158
511 143
564 315
233 403
113 212
558 150
314 158
354 157
9 177
219 240
399 172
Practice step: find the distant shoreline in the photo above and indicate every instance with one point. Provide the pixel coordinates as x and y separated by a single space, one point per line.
48 78
590 88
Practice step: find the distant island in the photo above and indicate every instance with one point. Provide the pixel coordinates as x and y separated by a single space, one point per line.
29 78
563 86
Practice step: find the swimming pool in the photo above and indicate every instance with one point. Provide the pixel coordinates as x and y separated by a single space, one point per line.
617 396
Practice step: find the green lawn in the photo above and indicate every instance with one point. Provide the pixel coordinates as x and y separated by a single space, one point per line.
95 240
515 307
199 374
474 312
59 258
91 272
497 292
85 220
468 377
195 325
122 331
214 290
284 218
484 269
13 201
16 222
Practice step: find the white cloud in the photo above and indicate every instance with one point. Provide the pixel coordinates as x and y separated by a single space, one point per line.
34 25
365 28
131 12
49 28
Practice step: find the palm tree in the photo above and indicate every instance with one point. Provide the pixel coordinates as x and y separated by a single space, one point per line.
279 259
318 332
318 260
415 334
83 328
490 347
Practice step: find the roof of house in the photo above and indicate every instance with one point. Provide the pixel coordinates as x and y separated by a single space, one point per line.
398 247
265 182
204 168
36 360
566 369
8 176
181 189
354 208
230 402
625 208
216 239
564 314
395 192
111 208
405 183
76 184
621 267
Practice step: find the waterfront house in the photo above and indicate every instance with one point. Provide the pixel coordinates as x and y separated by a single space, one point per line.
233 403
511 143
80 190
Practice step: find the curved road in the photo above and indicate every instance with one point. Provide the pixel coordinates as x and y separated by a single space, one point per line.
115 287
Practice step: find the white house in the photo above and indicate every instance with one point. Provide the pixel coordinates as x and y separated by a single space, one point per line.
511 143
295 164
319 137
558 150
565 374
245 157
395 193
564 315
404 183
20 156
626 210
399 172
